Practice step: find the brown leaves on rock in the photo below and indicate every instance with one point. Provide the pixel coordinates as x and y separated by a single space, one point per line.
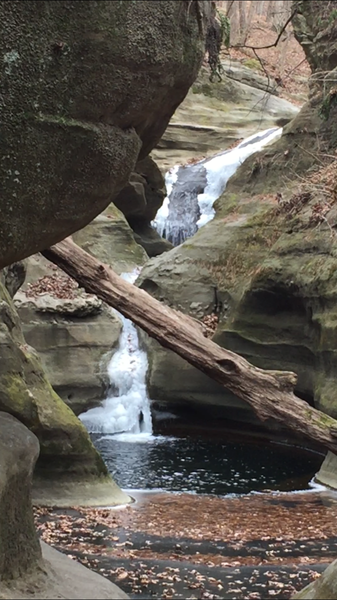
315 195
292 206
326 177
211 322
319 212
59 286
193 160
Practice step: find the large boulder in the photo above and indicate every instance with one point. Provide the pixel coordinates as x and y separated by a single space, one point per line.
144 194
19 449
26 568
140 200
87 88
59 577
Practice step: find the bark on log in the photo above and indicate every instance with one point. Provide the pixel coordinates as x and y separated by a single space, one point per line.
269 393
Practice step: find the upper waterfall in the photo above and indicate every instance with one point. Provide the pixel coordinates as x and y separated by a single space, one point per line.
192 189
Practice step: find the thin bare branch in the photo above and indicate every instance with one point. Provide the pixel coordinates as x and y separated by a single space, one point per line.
274 44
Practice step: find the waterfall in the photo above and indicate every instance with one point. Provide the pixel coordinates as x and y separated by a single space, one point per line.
193 189
163 213
223 166
126 410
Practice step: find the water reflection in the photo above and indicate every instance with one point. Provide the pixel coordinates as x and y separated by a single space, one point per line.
206 467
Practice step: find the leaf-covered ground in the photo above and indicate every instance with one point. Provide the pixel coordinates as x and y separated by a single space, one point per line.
192 546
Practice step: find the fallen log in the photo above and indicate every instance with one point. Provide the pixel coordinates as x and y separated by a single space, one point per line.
269 393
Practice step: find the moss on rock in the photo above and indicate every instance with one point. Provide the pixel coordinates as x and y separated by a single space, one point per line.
110 239
276 282
25 393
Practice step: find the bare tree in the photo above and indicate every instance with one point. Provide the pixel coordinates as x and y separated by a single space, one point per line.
260 7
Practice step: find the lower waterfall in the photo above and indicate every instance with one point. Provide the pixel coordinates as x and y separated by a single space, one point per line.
126 410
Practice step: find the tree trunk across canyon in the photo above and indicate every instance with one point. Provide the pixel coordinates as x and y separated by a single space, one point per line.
269 393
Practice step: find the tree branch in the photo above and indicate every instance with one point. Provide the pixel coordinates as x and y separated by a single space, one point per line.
277 39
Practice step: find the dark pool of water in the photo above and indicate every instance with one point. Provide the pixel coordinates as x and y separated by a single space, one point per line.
202 466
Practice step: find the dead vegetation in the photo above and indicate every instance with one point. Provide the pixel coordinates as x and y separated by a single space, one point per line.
255 26
313 196
59 286
211 322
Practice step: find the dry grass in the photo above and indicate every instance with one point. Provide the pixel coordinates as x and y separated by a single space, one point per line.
316 194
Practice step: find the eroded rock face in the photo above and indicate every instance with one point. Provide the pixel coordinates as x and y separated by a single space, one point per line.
139 201
74 349
275 278
88 89
26 394
110 239
19 543
213 115
144 194
315 28
83 306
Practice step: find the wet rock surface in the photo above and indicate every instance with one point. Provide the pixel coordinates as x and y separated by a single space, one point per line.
184 209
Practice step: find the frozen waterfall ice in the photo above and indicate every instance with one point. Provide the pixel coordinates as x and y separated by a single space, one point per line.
223 166
163 213
126 410
192 189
